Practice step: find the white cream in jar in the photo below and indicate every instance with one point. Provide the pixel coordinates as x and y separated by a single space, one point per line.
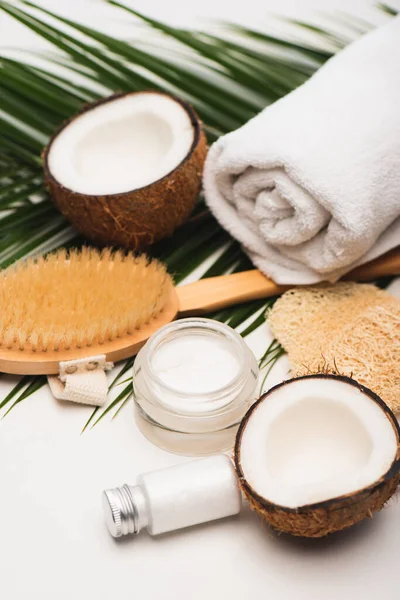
193 381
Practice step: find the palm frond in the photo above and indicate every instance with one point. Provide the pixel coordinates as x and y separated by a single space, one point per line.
228 78
389 10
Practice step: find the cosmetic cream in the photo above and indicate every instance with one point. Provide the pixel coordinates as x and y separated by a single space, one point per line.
193 382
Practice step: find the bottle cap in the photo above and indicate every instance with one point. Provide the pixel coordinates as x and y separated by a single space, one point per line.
119 511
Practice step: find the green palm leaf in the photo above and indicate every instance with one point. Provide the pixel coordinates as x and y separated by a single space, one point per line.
228 79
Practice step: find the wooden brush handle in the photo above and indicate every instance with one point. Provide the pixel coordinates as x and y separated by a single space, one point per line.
214 293
207 295
383 266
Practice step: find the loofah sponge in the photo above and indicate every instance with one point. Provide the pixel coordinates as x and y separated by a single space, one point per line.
369 348
348 327
304 320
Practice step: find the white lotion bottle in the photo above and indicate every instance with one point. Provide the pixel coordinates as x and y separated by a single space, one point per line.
175 497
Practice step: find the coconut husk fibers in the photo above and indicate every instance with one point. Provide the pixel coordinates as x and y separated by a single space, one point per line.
138 218
348 328
322 518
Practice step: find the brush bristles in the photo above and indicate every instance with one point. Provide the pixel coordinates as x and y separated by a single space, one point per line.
79 298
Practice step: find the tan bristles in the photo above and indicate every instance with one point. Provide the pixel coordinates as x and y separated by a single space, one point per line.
79 299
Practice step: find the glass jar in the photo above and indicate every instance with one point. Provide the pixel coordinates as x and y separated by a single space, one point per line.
193 381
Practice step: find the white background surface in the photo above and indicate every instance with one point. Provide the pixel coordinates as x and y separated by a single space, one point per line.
53 544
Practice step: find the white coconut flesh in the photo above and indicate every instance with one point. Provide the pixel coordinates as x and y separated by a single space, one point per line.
121 145
313 440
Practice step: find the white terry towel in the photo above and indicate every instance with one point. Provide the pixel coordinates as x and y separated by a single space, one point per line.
311 185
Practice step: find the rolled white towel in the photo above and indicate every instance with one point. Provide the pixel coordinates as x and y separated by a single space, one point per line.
311 185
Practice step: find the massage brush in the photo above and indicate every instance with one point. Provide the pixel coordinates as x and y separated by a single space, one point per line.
78 304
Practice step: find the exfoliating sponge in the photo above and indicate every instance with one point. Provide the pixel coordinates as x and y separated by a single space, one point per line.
350 328
369 348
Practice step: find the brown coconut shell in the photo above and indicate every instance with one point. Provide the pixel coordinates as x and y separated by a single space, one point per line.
322 518
138 218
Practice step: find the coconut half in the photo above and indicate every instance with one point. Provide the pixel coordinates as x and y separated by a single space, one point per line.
127 169
317 454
